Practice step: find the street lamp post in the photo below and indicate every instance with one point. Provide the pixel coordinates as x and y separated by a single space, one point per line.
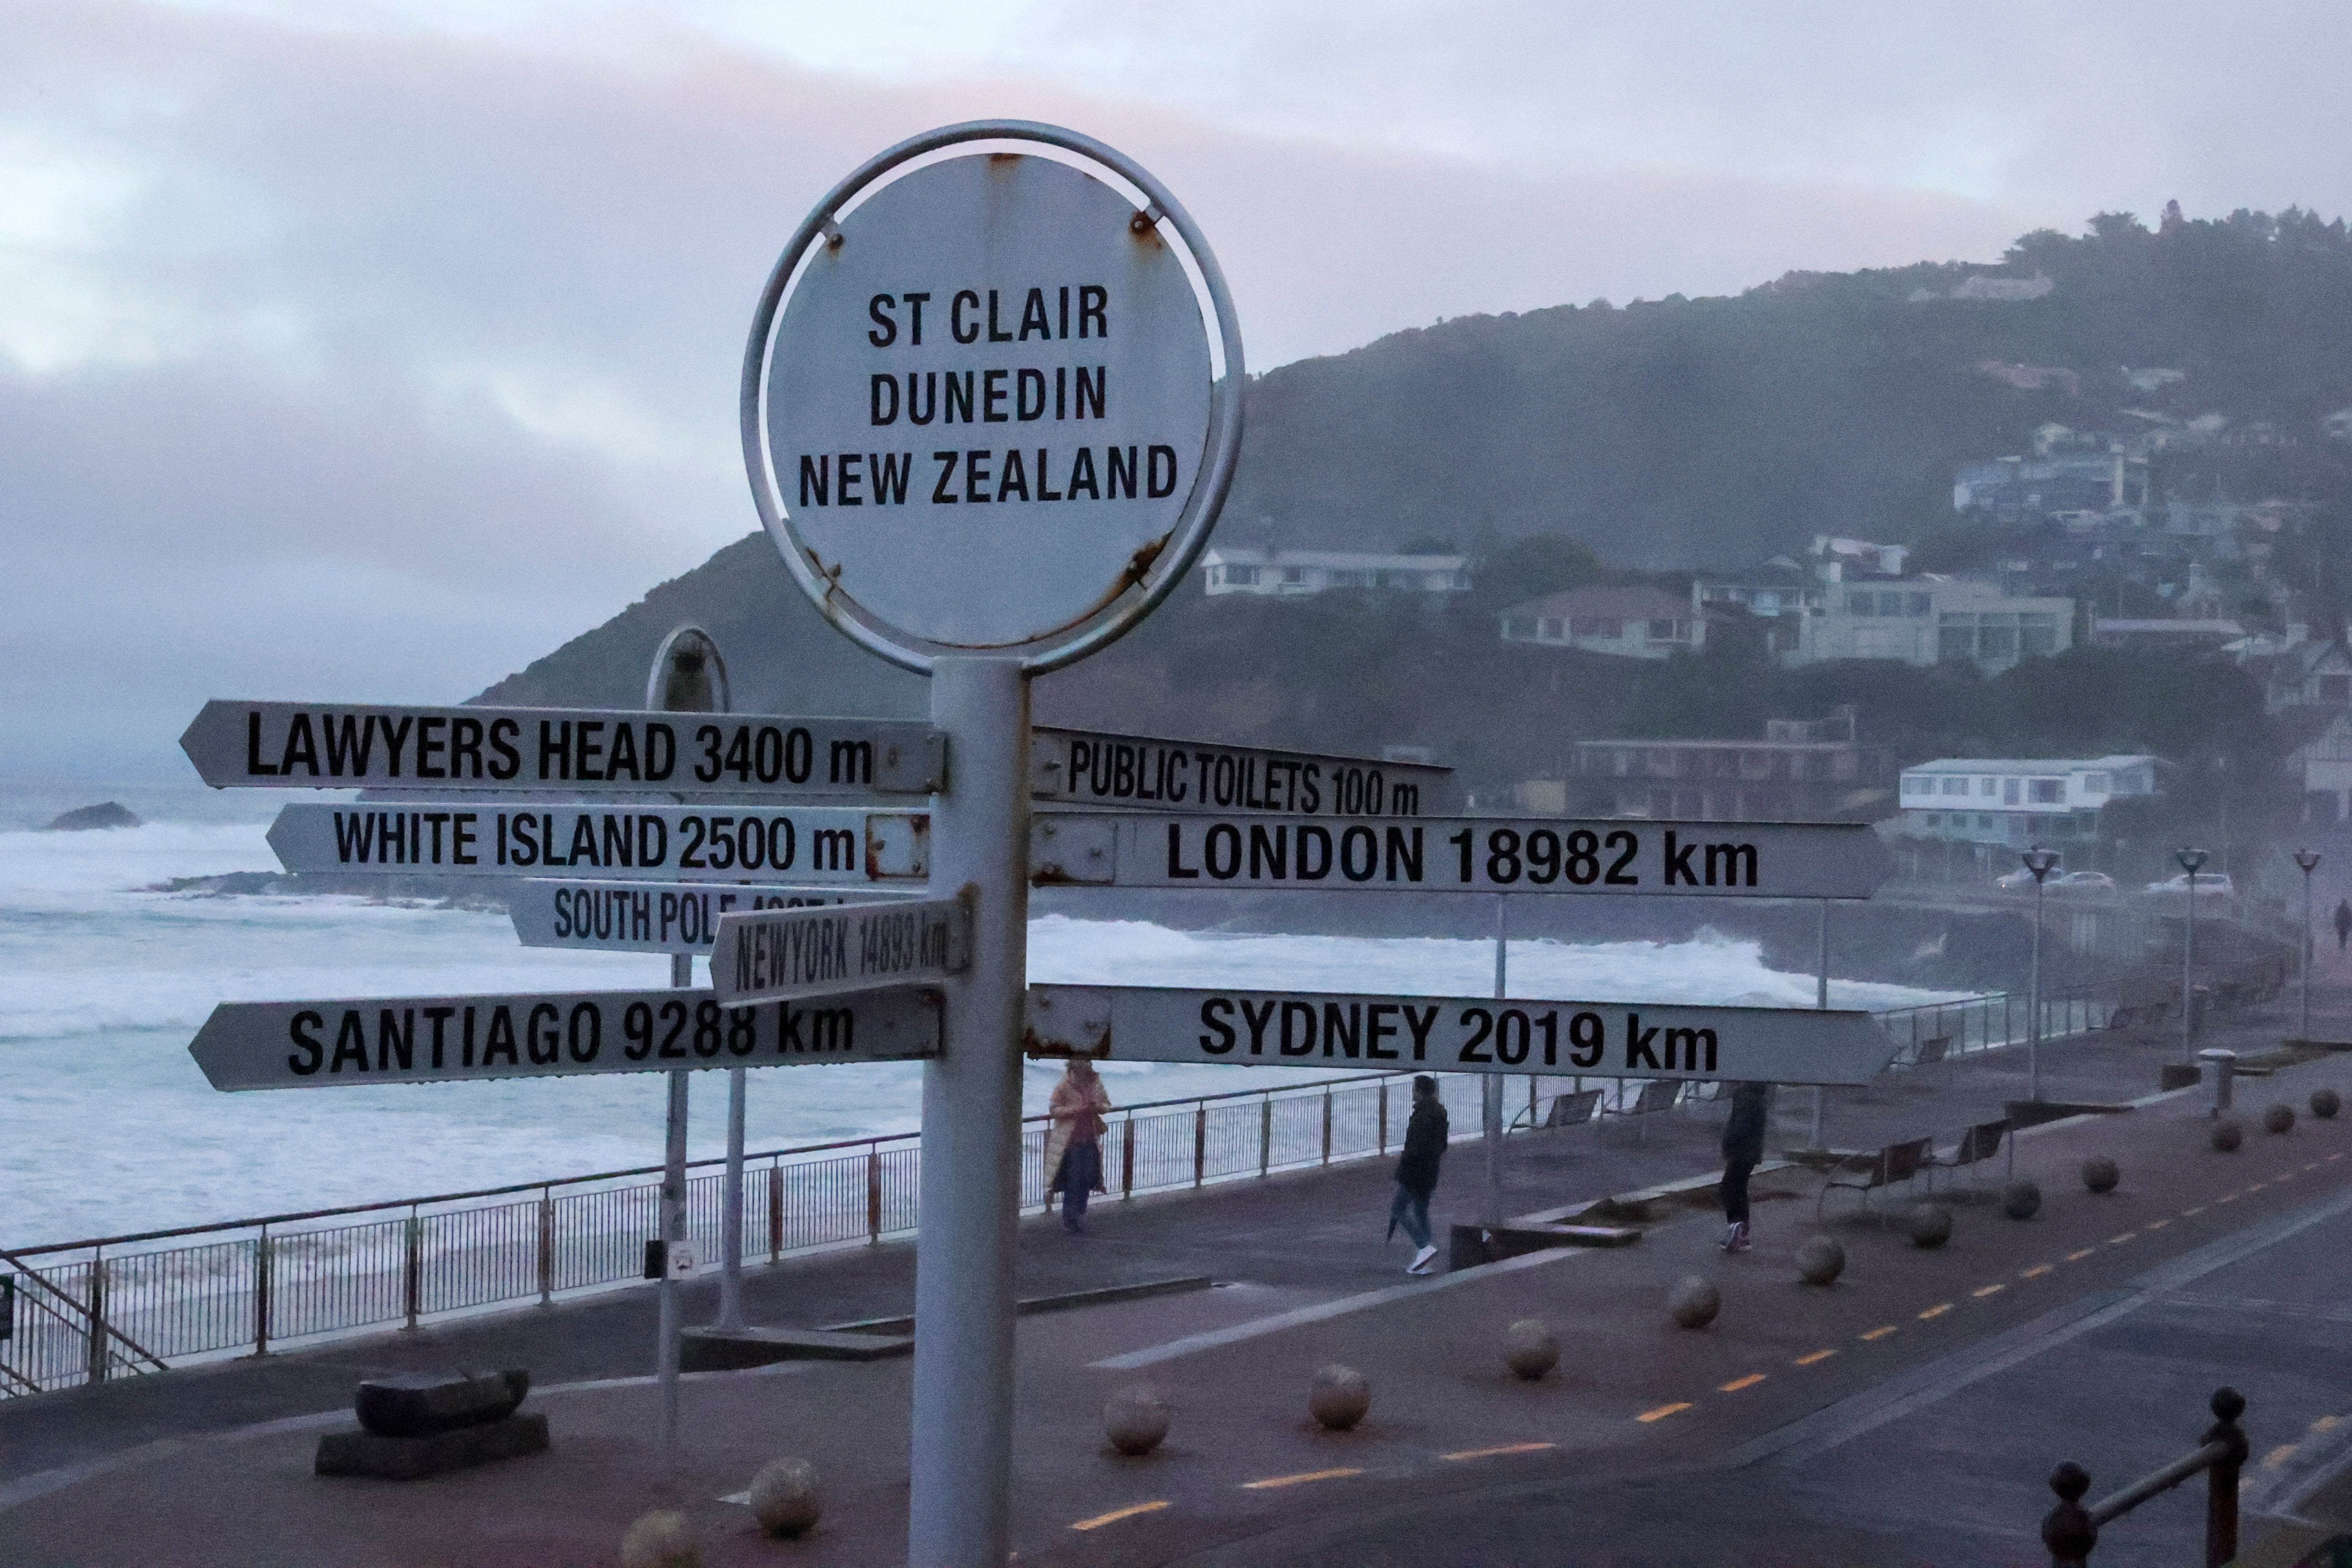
2190 860
2040 862
2309 861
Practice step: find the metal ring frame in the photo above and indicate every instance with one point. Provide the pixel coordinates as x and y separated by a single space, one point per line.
1193 524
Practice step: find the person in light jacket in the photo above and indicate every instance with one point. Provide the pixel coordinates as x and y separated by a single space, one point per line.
1743 1147
1073 1145
1416 1171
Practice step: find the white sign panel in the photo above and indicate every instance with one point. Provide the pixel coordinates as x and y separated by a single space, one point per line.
447 1040
774 954
824 845
1086 768
1444 1034
320 747
982 407
649 917
1474 854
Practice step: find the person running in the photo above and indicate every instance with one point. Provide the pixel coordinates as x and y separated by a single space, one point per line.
1743 1147
1074 1147
1416 1171
2343 923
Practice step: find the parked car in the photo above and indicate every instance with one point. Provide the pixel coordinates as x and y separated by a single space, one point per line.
2210 884
2089 881
2019 881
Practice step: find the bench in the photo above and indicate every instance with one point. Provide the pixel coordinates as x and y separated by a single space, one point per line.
1978 1145
1865 1174
1657 1095
1565 1111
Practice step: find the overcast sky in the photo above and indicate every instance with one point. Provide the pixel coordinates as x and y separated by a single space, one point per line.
369 350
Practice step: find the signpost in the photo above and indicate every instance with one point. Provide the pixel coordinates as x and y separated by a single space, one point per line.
991 406
566 1034
1447 1034
1467 855
1088 769
817 845
320 746
786 953
653 916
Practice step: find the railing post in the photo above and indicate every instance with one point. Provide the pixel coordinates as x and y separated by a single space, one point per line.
263 1260
1127 1158
1264 1133
97 1334
775 1211
873 1194
1384 1115
546 1247
412 1268
1326 1126
1200 1142
2067 1528
2221 1480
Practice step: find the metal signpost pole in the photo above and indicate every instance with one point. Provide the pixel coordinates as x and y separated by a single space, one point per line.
673 1236
959 1509
1822 1003
2040 862
2190 860
2309 861
730 1212
1490 1092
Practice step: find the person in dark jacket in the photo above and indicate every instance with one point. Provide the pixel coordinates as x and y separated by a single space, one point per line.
2343 923
1743 1146
1416 1171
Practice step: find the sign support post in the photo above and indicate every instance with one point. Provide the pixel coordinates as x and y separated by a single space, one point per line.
959 1508
673 1236
1821 1002
1490 1092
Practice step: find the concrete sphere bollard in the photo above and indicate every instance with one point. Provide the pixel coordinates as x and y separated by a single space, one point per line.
1136 1419
663 1539
2228 1135
2101 1174
2325 1104
1530 1349
1928 1225
1694 1300
2279 1119
1819 1260
2021 1199
786 1498
1339 1397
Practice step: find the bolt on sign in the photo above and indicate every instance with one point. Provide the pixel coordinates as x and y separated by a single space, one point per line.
447 1040
1474 854
770 955
326 746
1447 1034
652 916
821 845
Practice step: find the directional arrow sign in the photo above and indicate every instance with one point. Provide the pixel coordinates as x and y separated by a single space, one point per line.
773 954
827 845
1477 854
1445 1034
447 1040
651 917
316 747
1086 769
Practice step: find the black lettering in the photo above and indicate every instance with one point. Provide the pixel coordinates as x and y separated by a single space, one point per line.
1033 316
940 494
851 478
1082 474
350 1043
1025 384
395 1038
1090 389
991 394
976 475
1731 858
1122 470
923 408
876 412
915 303
1017 477
1153 484
1045 484
1419 1021
1678 861
886 472
1092 299
964 298
996 334
884 330
1214 1013
502 734
960 385
1343 1030
299 746
1298 1042
816 476
1637 1044
308 1052
1257 1018
254 766
1176 866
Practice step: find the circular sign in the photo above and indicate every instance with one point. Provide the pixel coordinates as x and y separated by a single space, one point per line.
992 402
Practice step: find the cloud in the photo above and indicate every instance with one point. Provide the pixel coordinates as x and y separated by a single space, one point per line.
373 349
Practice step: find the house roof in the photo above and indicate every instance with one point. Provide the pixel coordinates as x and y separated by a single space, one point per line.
1608 604
1339 559
2026 764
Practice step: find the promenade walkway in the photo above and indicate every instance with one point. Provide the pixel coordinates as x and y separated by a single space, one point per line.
1649 1444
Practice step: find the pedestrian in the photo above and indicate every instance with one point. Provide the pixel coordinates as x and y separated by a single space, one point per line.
1073 1145
1416 1171
2343 923
1743 1146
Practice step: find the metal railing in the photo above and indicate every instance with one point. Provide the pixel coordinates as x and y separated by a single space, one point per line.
96 1308
2069 1530
1992 1022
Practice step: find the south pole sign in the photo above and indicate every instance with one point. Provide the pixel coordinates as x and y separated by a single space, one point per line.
1443 1034
651 917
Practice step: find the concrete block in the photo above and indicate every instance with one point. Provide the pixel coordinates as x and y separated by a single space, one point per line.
411 1458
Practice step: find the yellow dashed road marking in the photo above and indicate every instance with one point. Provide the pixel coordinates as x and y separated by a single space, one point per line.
2187 1212
2256 1185
1880 1333
2227 1197
1504 1449
1115 1515
2312 1166
1736 1384
2037 1270
2278 1456
1661 1411
2078 1256
2158 1224
2326 1423
1938 1311
1271 1482
2119 1240
2336 1156
1819 1355
2283 1175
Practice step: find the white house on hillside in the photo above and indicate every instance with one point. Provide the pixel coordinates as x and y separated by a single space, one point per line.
1925 619
1294 573
1631 622
2015 802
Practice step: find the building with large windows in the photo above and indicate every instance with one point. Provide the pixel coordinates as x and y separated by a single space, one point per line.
1296 573
2011 802
1929 620
1630 623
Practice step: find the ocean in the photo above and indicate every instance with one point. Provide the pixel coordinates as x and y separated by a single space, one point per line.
108 1128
